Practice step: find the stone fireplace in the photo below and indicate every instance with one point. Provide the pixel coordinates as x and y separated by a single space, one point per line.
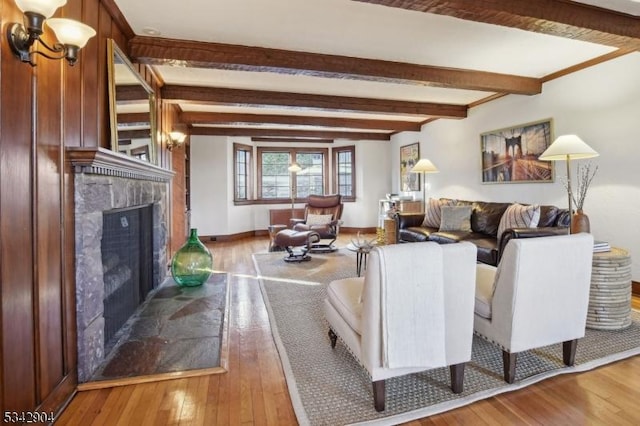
104 182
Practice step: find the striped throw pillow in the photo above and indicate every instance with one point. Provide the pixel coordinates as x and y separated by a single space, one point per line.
433 215
519 216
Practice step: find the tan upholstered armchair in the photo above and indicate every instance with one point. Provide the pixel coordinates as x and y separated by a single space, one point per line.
413 311
322 215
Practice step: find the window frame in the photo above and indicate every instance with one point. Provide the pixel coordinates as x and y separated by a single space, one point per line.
292 155
248 177
336 178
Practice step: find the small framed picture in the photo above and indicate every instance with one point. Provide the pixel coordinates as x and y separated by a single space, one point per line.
409 156
511 155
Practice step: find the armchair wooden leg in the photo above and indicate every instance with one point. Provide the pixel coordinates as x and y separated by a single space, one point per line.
509 366
569 351
378 395
333 337
457 377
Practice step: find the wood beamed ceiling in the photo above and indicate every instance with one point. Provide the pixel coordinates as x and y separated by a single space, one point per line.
553 17
560 18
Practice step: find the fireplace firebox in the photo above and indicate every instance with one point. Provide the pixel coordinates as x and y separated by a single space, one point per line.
127 247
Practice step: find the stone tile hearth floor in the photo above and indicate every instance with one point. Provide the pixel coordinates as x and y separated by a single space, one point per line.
176 329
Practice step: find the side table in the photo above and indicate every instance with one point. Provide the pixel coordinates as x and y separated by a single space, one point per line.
610 295
361 256
273 230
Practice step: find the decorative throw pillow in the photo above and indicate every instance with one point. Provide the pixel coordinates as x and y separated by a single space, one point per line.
519 216
319 219
433 215
456 218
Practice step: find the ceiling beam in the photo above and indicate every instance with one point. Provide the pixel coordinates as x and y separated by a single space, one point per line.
159 51
298 120
554 17
133 117
293 140
258 98
134 134
239 131
131 92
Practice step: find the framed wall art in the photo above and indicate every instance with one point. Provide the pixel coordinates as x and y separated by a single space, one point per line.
409 156
511 155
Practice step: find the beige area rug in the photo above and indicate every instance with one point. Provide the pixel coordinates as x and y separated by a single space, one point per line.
328 387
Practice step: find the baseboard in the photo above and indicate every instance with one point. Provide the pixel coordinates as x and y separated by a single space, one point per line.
635 288
264 232
227 238
349 230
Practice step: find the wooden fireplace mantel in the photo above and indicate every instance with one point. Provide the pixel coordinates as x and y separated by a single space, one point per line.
103 161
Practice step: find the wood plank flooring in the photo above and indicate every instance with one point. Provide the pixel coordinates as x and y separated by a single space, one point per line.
254 391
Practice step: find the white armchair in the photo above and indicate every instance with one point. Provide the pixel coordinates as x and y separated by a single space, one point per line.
413 311
537 296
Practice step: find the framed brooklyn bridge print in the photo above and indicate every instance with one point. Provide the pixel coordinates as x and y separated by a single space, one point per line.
510 155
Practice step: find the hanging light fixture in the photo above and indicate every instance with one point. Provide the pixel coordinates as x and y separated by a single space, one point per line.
72 35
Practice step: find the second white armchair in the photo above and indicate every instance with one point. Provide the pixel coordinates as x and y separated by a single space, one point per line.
537 296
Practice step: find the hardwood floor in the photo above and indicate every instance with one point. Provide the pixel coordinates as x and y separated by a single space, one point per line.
254 390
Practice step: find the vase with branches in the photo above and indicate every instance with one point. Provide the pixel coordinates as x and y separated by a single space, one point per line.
586 173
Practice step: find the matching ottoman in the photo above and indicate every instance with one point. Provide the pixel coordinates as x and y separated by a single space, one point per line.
296 243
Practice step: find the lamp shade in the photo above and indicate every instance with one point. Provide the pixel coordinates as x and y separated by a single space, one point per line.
568 145
294 167
177 137
424 166
70 32
45 8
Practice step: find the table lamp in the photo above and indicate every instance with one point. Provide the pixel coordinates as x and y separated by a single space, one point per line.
424 166
568 147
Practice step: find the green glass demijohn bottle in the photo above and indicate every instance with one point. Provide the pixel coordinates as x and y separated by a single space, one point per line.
192 265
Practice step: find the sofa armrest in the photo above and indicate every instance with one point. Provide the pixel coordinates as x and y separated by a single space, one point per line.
407 220
515 233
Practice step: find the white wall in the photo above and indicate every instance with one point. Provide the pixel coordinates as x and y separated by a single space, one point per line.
212 208
601 104
209 189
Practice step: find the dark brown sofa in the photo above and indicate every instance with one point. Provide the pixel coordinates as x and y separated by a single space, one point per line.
485 218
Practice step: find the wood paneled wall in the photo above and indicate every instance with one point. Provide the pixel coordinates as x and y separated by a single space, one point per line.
179 188
43 110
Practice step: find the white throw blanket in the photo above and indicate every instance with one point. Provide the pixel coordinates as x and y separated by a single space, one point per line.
412 305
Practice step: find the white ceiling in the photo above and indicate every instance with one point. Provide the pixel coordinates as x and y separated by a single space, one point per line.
353 29
631 7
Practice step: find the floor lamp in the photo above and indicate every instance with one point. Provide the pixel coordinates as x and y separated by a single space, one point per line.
424 166
568 147
293 168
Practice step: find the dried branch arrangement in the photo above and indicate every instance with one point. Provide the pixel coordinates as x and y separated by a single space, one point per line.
583 181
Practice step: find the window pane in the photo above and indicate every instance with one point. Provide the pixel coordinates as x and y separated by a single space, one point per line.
276 179
311 179
344 171
275 175
241 177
